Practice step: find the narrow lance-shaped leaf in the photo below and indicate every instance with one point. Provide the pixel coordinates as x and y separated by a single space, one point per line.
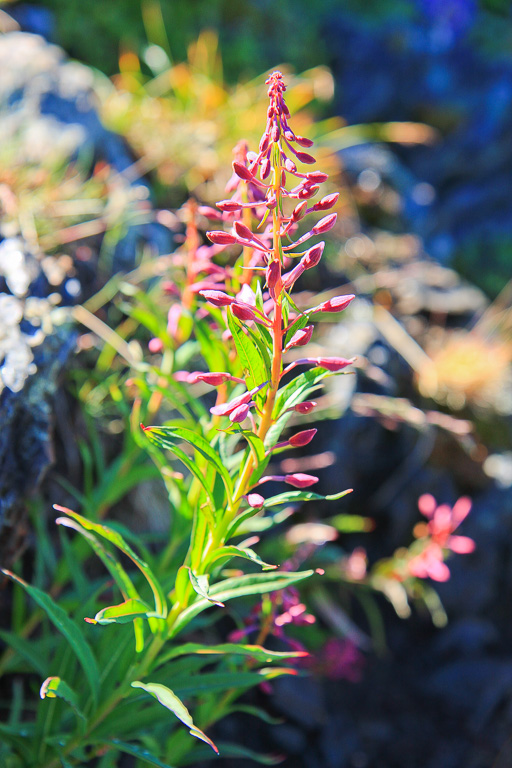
249 353
168 699
54 687
68 628
256 652
115 538
123 613
249 584
230 551
200 584
116 570
167 437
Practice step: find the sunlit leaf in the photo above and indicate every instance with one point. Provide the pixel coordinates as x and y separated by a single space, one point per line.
115 538
168 699
240 586
54 687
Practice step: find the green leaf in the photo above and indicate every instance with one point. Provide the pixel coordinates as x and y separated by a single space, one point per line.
249 353
249 709
123 613
32 652
233 551
292 496
168 699
68 628
256 444
54 687
239 586
297 325
256 652
298 388
139 752
116 570
166 437
201 586
117 540
224 681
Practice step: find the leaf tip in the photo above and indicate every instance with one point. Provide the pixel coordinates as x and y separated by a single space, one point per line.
145 429
90 621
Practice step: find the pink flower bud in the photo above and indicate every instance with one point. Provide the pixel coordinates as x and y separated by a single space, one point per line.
255 500
325 224
313 256
228 205
217 298
317 176
303 142
265 168
301 338
291 277
274 134
333 363
264 142
303 157
326 202
274 282
305 407
155 345
306 192
302 438
221 238
337 304
216 379
299 211
239 413
243 313
243 231
290 165
241 171
300 480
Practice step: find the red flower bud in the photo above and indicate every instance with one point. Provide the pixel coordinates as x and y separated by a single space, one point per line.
313 255
228 205
302 438
306 192
221 238
239 413
241 171
274 282
337 304
303 142
300 480
305 407
303 157
264 142
243 313
326 202
299 211
216 379
333 363
217 298
317 176
243 231
325 224
265 168
301 338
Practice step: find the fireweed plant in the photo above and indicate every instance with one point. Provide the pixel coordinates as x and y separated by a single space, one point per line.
249 331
